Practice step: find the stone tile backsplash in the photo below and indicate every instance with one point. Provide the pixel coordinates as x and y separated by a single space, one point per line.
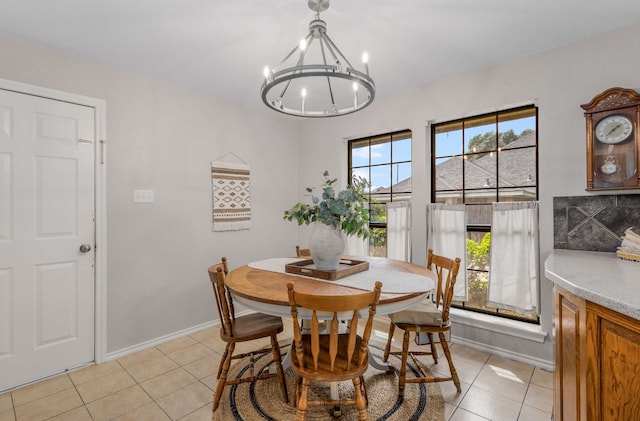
594 223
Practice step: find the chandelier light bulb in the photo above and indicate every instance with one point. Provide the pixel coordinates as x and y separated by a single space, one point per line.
365 57
303 44
355 87
303 92
266 72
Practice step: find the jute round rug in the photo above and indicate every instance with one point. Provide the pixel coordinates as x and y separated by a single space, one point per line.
262 400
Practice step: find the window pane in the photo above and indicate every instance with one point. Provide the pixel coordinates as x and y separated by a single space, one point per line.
480 196
360 153
478 284
401 177
379 250
517 194
448 140
480 134
381 178
517 167
521 121
454 197
478 250
479 214
401 150
480 171
378 212
448 173
380 152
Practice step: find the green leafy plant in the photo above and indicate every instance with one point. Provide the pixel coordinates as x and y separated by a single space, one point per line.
345 209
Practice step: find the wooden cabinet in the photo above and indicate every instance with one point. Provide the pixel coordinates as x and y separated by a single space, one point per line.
597 362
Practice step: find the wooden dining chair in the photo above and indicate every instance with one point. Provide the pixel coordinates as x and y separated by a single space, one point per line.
302 252
330 356
243 329
428 317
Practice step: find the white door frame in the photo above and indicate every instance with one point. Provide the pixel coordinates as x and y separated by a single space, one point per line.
100 329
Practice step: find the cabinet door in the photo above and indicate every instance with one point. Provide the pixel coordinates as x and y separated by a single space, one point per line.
568 313
613 366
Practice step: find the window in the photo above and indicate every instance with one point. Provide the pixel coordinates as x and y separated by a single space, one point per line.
385 162
479 160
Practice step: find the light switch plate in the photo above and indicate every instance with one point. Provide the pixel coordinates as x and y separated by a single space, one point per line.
143 196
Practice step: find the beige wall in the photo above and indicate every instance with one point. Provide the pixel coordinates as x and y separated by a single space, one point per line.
163 138
559 80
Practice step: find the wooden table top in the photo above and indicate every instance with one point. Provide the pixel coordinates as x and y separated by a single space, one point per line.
270 288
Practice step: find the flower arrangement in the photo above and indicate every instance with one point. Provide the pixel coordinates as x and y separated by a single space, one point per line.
345 210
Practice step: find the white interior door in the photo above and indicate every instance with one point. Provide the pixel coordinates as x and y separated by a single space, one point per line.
46 214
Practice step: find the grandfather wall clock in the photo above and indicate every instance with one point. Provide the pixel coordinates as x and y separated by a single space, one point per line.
613 140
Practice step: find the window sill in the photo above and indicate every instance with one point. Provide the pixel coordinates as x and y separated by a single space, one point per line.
501 325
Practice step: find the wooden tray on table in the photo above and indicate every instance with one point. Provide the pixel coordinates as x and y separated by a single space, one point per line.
345 268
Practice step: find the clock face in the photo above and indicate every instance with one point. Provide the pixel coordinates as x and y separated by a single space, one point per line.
613 129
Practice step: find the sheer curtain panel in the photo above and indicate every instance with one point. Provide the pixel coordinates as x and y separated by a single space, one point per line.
513 266
399 230
355 246
447 236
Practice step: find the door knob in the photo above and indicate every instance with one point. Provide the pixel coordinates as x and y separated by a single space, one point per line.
85 248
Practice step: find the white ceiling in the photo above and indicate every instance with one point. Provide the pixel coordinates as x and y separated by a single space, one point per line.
220 47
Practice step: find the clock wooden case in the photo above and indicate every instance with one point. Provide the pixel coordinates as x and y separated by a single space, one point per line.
613 141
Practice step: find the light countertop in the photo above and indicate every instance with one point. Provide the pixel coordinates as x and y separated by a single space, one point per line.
598 277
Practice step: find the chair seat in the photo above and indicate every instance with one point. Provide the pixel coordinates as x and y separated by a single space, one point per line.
423 313
324 373
253 326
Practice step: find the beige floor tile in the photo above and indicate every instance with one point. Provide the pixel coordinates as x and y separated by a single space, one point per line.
167 383
148 412
207 334
542 378
464 353
501 382
78 414
521 370
462 415
539 397
106 385
5 401
489 405
140 357
448 410
210 381
450 393
204 367
216 345
152 368
118 404
202 414
176 344
186 400
189 354
533 414
7 415
94 372
50 406
40 390
467 371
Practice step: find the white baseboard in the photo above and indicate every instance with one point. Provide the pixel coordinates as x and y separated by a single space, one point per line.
527 359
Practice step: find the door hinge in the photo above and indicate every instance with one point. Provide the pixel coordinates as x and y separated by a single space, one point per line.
102 142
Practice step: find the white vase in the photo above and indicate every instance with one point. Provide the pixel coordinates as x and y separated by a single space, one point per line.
326 246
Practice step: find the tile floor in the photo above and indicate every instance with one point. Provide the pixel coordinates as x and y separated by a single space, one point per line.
175 381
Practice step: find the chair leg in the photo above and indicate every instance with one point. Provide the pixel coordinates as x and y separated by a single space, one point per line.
222 381
277 360
302 402
360 400
434 351
452 368
224 357
403 368
387 349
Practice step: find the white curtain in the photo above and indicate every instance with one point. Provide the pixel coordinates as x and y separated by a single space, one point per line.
513 267
399 230
355 246
447 236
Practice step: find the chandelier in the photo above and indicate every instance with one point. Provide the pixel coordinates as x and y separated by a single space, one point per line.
315 79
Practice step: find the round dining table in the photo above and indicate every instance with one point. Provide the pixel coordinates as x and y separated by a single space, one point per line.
265 290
